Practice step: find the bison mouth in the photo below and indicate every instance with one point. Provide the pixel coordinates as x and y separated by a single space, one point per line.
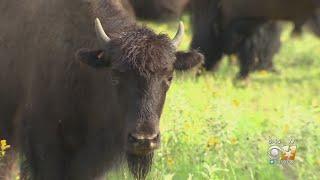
142 146
142 150
139 165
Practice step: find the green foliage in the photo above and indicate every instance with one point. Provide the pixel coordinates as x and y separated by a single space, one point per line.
213 129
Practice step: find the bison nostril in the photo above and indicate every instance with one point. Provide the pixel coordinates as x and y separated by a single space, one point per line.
134 138
157 137
142 143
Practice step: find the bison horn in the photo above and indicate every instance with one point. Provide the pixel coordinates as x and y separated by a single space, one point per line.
179 36
101 34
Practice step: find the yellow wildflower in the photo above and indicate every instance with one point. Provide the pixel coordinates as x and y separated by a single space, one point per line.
234 140
235 103
170 161
3 142
213 141
187 126
3 147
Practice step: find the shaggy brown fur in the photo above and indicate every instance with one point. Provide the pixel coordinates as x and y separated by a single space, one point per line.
141 57
71 106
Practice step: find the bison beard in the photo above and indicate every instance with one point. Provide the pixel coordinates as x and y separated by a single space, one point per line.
139 166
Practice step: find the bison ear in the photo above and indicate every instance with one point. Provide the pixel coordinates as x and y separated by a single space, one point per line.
93 58
188 60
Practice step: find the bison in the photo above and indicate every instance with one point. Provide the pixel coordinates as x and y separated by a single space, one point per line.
224 26
269 44
159 10
255 52
77 100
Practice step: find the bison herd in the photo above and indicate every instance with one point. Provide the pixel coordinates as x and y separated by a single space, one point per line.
83 85
248 29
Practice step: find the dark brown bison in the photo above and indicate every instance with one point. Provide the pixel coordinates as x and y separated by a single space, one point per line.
160 10
224 26
75 100
267 41
256 51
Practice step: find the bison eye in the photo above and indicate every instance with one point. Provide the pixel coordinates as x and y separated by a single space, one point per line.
168 81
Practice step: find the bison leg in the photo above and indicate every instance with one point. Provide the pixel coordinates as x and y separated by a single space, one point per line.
314 23
213 54
206 32
208 46
247 57
267 44
244 38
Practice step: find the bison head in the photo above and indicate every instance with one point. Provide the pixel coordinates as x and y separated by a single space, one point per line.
142 64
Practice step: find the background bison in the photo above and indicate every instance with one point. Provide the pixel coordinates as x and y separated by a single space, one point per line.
160 10
74 100
243 28
257 51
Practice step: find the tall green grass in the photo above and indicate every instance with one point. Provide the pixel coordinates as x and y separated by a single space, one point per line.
213 129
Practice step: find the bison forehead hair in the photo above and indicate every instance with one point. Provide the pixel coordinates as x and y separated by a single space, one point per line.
144 51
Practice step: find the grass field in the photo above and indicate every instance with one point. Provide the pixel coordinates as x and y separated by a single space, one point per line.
213 129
